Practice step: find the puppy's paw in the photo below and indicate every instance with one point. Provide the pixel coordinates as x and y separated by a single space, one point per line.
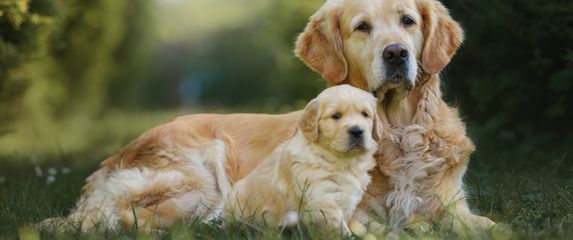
358 229
420 226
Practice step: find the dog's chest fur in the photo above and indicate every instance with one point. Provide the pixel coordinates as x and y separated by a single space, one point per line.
414 168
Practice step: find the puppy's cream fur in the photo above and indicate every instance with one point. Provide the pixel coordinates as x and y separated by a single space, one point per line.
317 173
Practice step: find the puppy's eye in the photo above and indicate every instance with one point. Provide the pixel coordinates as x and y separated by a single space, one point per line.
336 116
365 114
407 21
362 27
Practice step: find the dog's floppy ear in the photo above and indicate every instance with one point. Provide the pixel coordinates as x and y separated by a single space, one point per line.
377 126
308 122
442 36
320 45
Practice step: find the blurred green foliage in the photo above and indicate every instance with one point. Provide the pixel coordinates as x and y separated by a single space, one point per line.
513 78
66 72
64 64
23 33
57 60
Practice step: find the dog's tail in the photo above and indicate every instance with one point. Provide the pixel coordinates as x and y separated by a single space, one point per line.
59 224
55 224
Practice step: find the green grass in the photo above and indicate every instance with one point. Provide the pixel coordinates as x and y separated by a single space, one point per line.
534 202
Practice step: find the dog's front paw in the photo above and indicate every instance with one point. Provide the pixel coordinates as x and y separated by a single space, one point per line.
483 222
473 223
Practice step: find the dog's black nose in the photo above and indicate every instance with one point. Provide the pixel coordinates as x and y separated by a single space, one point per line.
395 54
356 132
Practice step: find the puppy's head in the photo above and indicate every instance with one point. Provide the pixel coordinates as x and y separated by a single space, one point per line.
376 45
342 120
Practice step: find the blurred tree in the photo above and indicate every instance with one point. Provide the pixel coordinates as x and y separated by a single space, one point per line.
292 80
252 63
134 81
57 59
23 34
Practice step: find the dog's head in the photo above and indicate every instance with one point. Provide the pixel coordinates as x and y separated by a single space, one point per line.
376 45
343 120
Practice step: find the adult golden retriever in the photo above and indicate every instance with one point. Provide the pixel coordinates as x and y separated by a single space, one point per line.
394 48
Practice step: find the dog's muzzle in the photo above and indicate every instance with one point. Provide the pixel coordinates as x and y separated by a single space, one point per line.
397 80
396 57
356 135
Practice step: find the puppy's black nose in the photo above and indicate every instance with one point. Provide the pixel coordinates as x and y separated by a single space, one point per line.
395 54
356 132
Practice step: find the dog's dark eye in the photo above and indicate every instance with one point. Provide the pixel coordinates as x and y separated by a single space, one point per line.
407 21
336 116
362 27
365 114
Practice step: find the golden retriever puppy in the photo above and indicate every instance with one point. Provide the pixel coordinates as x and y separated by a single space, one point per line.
321 172
394 48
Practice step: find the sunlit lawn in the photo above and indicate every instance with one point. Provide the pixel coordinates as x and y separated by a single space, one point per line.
535 203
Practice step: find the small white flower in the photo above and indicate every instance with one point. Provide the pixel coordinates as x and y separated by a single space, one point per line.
65 170
50 179
38 170
52 171
291 218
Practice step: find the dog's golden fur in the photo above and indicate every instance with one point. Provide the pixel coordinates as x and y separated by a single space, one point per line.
421 162
321 173
192 146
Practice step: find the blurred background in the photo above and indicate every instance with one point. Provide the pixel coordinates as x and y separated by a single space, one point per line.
87 76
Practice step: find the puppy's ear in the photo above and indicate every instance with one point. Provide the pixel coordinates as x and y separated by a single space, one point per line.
320 45
308 122
442 36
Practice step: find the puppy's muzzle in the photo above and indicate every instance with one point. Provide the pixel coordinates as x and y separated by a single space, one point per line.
395 57
356 137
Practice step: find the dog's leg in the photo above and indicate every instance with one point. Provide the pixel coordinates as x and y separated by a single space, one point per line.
321 207
164 214
455 147
456 212
328 215
168 197
197 190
